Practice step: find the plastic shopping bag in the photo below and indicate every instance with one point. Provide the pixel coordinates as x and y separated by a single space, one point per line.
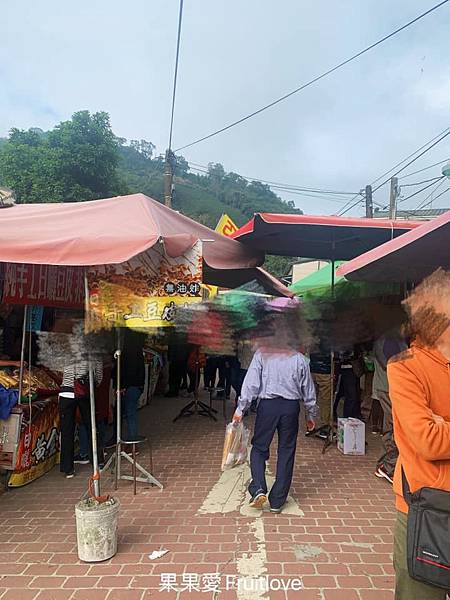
235 445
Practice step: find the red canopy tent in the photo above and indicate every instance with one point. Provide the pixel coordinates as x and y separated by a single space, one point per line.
409 258
113 230
318 237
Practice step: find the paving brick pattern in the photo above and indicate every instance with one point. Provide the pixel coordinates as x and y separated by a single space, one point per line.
341 548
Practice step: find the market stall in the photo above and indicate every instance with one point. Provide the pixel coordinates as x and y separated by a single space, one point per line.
104 253
326 238
409 258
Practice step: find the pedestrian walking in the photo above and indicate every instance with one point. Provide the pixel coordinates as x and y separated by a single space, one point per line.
279 379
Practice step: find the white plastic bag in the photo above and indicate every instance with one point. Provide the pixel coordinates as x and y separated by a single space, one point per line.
235 445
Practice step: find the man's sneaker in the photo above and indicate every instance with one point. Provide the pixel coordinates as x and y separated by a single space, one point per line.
383 474
81 460
258 500
276 511
69 475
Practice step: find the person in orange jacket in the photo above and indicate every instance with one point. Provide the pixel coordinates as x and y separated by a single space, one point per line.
419 384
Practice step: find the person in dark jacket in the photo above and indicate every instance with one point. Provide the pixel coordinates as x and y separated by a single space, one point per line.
132 379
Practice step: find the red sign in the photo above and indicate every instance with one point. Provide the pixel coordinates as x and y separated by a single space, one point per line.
38 450
46 285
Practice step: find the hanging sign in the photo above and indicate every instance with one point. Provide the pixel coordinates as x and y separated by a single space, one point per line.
145 291
46 285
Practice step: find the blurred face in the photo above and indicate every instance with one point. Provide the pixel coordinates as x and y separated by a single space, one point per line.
430 316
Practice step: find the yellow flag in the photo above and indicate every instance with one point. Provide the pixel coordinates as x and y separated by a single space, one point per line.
226 226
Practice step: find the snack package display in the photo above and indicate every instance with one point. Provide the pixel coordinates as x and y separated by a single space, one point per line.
235 445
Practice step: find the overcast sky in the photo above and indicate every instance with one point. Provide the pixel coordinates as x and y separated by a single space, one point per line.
236 55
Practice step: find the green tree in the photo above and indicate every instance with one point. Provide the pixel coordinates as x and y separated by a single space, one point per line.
75 161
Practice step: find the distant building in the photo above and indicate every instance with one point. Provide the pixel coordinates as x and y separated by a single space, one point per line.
425 214
302 269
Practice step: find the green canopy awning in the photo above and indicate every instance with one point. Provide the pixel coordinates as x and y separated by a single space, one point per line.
318 285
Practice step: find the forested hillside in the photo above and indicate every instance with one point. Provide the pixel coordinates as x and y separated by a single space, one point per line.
82 159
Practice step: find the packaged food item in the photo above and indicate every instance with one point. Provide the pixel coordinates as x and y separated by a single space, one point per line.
235 445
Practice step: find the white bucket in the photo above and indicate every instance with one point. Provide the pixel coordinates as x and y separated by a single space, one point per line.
97 529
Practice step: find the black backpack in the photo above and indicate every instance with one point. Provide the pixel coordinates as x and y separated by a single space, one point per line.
428 534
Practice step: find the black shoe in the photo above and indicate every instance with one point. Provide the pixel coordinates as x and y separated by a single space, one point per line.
276 511
110 444
69 475
81 460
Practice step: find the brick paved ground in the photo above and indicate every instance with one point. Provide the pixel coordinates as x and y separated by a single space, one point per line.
340 546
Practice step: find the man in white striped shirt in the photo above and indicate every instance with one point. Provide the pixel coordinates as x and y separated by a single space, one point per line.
75 394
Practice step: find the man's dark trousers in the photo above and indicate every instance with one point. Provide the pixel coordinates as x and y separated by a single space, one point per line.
273 415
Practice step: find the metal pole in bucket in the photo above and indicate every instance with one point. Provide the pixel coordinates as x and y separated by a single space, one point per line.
117 356
96 479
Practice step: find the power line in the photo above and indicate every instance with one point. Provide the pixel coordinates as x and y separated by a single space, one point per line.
421 190
346 209
441 162
420 182
423 202
285 186
410 156
414 159
175 77
315 80
436 197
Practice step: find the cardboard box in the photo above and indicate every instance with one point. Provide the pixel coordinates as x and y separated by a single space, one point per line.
9 439
351 436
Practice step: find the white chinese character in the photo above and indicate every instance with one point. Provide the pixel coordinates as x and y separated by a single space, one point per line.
42 293
27 440
10 280
78 286
191 582
168 582
211 582
52 442
52 282
22 272
40 448
61 284
152 311
25 462
169 312
69 284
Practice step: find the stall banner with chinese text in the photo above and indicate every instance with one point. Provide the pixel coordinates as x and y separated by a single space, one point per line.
38 450
144 291
47 285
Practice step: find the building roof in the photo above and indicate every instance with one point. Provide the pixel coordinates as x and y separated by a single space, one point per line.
424 213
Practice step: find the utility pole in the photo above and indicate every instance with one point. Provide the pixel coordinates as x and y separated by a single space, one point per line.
393 199
369 203
168 178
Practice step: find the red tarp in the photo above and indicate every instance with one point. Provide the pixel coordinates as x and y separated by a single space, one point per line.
410 257
113 230
319 237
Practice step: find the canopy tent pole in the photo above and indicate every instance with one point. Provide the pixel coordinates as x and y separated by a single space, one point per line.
117 356
22 350
96 475
329 440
